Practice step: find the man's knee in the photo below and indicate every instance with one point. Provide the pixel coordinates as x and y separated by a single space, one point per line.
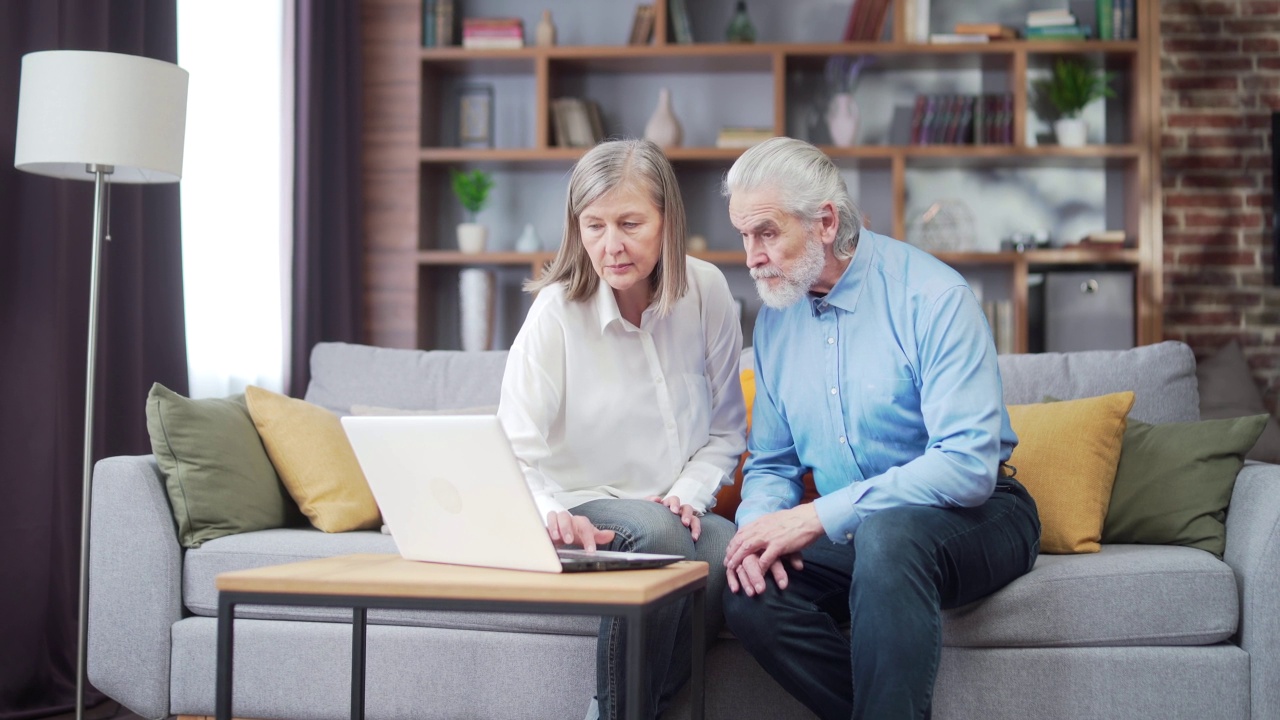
890 537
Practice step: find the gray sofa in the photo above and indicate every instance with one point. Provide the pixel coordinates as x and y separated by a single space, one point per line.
1131 632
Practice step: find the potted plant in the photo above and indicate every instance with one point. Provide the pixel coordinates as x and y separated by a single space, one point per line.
472 189
842 75
1073 85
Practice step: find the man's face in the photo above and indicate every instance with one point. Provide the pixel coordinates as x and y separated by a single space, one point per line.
785 253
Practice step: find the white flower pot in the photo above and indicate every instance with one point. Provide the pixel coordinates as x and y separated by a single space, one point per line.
472 237
1071 132
842 119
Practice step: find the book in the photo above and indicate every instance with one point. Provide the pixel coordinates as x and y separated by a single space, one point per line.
1052 16
957 38
1111 238
1105 17
866 21
444 23
681 29
428 23
742 137
1060 32
642 25
994 31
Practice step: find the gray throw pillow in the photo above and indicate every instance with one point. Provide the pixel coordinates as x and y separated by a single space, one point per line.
217 473
1227 390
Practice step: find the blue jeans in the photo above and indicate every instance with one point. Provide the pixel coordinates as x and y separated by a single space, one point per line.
646 526
890 584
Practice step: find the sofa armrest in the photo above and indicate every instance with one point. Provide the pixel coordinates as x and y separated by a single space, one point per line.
135 584
1253 552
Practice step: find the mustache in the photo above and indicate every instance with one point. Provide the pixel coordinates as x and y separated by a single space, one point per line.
767 271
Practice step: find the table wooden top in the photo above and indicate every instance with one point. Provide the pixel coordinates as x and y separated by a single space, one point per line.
393 576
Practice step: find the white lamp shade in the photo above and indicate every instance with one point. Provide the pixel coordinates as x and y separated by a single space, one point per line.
77 108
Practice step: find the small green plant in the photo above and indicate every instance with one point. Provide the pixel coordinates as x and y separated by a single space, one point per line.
1074 84
472 188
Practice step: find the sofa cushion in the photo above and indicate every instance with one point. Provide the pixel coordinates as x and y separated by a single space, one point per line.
1123 595
1227 390
1174 482
1161 376
274 547
344 374
311 452
217 474
1066 457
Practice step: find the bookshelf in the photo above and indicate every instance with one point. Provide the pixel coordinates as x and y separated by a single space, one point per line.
412 261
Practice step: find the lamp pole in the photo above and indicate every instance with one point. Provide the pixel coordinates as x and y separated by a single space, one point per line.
100 173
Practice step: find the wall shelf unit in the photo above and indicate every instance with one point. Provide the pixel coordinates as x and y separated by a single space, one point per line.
1026 184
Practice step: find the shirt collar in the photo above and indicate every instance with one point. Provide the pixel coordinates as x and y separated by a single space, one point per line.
606 306
845 293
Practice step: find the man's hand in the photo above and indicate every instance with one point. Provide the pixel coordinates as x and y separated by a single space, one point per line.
749 576
567 529
687 514
763 543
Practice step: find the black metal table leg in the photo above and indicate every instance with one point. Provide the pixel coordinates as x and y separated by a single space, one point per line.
226 620
635 668
697 617
358 628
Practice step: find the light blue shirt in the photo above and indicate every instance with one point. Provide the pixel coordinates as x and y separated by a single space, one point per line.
887 388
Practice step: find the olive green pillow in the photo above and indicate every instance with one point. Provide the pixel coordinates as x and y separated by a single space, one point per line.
1174 481
217 473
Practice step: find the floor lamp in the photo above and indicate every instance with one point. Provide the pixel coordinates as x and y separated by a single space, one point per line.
108 118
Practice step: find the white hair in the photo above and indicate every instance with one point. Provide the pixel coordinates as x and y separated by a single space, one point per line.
804 178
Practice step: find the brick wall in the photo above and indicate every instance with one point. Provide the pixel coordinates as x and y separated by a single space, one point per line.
1221 75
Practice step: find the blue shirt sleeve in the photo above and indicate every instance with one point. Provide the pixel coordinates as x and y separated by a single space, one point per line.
772 474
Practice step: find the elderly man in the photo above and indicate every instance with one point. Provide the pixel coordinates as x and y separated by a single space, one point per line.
876 370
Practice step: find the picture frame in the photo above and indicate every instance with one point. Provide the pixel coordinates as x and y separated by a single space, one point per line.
475 115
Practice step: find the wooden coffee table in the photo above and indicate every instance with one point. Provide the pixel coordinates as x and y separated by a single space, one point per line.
389 581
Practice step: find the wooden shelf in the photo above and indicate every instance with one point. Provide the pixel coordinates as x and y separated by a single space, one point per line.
408 89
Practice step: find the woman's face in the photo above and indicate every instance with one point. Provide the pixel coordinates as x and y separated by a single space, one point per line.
622 233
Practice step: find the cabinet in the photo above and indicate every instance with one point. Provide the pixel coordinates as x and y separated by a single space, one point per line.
1027 185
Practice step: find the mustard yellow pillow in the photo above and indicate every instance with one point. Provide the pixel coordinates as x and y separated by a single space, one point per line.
1066 457
315 461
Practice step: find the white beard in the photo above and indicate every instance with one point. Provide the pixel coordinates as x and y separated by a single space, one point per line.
793 284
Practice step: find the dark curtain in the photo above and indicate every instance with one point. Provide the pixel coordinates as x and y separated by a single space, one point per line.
45 244
328 297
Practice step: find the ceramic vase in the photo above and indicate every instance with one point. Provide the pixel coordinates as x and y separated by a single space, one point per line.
1071 132
528 241
475 305
842 119
663 128
545 35
472 237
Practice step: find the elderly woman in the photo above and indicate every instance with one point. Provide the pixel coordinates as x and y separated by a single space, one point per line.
621 395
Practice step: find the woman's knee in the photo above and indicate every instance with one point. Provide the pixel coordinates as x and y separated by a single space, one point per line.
652 527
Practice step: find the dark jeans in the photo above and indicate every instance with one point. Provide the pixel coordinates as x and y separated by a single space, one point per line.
890 584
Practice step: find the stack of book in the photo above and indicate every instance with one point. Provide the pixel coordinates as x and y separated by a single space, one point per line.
437 23
1115 19
742 137
866 20
492 33
576 122
946 119
1000 319
1104 239
1055 24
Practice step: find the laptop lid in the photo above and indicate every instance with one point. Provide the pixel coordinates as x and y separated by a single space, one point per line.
451 491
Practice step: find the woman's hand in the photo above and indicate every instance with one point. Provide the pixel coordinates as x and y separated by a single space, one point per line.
688 516
568 529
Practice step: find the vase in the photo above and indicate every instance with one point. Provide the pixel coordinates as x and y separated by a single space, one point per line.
545 35
1071 132
663 128
741 29
472 237
475 308
528 242
842 119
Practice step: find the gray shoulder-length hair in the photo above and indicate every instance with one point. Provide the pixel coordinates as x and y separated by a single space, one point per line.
605 167
805 178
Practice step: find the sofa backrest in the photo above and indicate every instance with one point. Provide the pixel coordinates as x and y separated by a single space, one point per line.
344 374
1162 377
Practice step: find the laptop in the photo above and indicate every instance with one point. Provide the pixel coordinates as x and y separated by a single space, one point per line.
451 491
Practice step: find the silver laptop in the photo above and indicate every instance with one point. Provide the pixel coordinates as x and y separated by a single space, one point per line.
451 491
